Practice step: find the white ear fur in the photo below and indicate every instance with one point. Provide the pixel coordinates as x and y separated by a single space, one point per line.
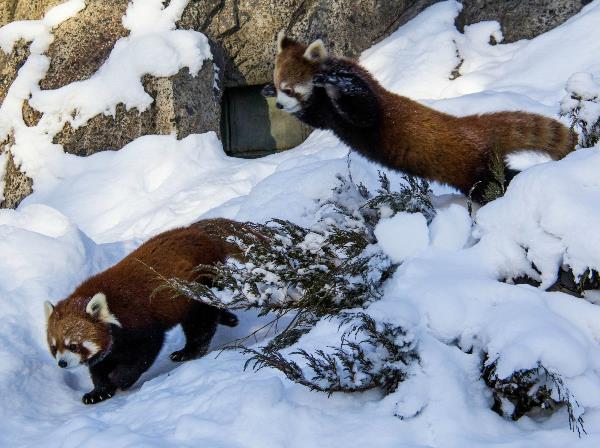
316 51
98 308
280 39
48 308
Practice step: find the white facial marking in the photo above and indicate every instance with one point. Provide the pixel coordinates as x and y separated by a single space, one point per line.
72 359
289 103
91 347
303 90
54 342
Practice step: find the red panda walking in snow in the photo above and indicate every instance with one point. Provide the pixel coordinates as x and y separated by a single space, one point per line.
333 93
114 324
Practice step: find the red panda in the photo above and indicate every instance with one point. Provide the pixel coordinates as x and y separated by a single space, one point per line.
115 321
333 93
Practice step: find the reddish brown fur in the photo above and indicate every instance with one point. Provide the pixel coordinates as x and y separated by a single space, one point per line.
69 320
125 316
417 139
292 67
129 284
455 150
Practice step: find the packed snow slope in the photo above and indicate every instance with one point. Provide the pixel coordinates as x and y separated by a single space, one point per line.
86 213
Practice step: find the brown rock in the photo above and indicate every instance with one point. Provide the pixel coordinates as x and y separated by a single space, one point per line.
17 186
82 43
31 117
7 11
182 104
10 65
11 10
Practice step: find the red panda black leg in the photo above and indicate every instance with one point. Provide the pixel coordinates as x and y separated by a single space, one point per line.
478 191
124 375
103 386
350 95
269 91
199 328
98 394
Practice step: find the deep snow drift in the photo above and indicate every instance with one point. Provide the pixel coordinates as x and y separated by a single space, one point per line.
86 213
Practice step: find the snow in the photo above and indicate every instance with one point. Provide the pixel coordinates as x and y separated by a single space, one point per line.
528 74
520 161
556 196
87 213
403 235
584 85
450 228
38 32
583 102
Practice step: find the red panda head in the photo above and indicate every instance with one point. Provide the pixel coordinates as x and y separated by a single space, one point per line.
78 330
295 66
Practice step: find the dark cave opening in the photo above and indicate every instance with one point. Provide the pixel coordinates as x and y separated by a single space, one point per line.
251 125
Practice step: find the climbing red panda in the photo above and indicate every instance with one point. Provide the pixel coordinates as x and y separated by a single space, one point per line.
328 92
115 321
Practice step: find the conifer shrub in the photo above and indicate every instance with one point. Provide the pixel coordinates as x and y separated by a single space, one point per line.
495 187
582 106
331 270
527 391
329 273
370 355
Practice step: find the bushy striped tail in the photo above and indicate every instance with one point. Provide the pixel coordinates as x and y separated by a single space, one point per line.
519 131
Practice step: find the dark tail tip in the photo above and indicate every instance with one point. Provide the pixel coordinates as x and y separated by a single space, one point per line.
228 318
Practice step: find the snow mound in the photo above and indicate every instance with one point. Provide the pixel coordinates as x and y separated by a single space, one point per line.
403 235
546 218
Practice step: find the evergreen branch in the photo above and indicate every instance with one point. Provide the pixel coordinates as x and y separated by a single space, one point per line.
529 389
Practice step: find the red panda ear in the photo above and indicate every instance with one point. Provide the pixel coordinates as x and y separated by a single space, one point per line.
316 52
283 41
48 308
98 307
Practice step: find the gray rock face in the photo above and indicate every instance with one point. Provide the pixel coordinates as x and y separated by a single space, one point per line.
17 185
245 30
82 43
520 19
183 104
10 65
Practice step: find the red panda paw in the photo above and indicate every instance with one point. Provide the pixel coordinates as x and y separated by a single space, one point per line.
185 355
269 91
97 395
320 79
